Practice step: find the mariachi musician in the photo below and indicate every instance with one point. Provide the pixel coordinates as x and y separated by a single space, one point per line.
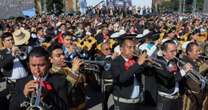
75 80
168 81
127 89
106 55
195 88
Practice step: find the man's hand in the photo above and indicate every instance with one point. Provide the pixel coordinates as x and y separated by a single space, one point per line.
30 87
188 67
142 58
15 50
76 64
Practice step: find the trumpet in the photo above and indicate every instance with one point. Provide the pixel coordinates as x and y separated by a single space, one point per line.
21 55
36 102
94 65
151 60
194 75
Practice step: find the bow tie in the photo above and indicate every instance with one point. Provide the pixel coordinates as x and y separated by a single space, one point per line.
46 85
128 64
172 68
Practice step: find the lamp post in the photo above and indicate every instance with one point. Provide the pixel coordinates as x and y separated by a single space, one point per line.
205 7
180 6
194 7
184 6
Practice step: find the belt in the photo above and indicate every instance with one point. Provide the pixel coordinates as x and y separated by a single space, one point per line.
169 96
128 101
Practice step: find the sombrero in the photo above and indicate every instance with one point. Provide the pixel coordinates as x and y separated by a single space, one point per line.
21 36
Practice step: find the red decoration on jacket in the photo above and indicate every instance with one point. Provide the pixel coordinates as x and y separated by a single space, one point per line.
128 64
46 85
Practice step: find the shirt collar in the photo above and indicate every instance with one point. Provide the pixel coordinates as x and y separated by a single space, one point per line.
44 78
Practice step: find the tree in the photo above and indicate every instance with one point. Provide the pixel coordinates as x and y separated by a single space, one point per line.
55 6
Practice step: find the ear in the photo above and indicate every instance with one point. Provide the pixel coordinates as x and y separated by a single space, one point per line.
50 60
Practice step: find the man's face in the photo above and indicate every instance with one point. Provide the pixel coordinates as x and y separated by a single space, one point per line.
194 53
41 33
39 66
105 31
128 48
8 42
172 35
63 28
106 50
67 42
170 52
57 58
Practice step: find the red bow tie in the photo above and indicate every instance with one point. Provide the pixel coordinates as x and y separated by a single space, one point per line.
46 85
128 64
172 68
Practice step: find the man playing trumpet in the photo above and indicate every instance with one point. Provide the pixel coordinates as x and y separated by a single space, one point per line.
53 95
195 89
127 89
75 80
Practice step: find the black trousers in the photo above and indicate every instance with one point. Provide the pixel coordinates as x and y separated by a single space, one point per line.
169 104
106 95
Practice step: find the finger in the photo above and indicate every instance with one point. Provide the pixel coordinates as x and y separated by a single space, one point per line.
31 89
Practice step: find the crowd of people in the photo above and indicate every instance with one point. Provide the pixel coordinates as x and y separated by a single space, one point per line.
148 62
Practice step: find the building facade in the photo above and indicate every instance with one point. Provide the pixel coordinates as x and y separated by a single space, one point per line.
11 8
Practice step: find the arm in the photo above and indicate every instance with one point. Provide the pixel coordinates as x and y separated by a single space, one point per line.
165 78
18 96
5 60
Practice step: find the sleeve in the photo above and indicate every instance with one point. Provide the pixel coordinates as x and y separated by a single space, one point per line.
57 98
17 97
165 78
5 59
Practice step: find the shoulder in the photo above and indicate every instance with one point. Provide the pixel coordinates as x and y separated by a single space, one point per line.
3 50
23 81
118 59
57 78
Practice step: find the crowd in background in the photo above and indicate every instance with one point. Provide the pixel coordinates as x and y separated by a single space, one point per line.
71 42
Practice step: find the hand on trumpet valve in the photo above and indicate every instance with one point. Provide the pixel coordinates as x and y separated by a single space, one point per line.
188 67
76 64
15 51
142 58
30 87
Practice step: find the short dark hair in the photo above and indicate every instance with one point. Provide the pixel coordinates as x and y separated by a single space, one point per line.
52 48
5 35
39 52
164 45
39 28
124 41
190 46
